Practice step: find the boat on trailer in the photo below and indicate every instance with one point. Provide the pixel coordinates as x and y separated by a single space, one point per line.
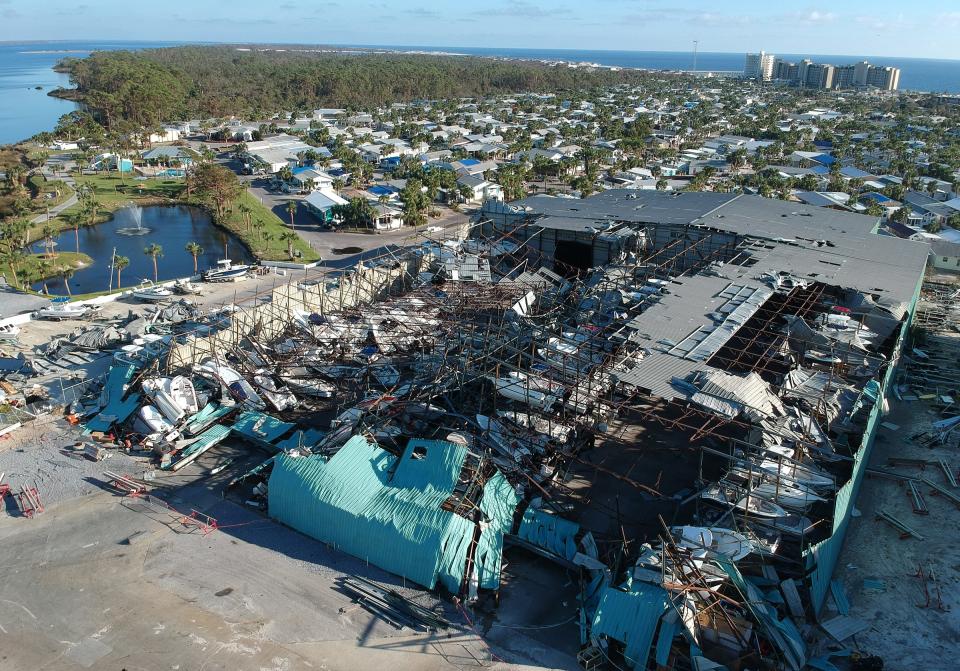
152 293
227 271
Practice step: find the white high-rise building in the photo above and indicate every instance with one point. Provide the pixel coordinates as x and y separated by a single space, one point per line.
759 66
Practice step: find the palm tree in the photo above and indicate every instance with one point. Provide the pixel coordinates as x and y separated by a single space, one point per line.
289 237
194 250
292 209
44 268
338 185
120 262
258 225
66 273
285 174
245 212
154 251
48 243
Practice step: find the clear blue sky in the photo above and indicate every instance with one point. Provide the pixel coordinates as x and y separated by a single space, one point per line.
921 28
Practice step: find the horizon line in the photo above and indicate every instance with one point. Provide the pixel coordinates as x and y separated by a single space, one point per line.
441 48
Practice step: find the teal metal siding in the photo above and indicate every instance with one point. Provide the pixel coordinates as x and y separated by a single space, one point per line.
631 618
498 505
821 559
549 532
380 508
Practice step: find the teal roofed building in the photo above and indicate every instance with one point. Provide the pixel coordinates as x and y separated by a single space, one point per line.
387 509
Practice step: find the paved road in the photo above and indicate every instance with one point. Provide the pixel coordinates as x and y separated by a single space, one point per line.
69 202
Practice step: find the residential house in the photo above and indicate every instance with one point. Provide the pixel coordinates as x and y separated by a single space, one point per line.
481 188
321 203
272 154
308 178
386 217
945 255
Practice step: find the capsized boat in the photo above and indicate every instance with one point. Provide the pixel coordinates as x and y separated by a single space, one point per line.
241 390
155 388
277 395
309 386
154 419
152 293
716 540
227 271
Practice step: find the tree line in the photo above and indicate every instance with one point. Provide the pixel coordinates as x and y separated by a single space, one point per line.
194 81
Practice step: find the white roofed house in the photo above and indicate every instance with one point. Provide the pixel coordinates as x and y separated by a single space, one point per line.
308 179
320 203
481 189
276 152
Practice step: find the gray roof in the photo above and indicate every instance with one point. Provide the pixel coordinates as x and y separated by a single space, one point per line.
945 248
822 244
640 206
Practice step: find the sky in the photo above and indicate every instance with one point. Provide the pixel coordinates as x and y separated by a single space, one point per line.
922 28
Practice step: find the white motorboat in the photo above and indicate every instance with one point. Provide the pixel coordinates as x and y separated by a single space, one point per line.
182 391
749 504
154 419
277 395
716 540
385 374
309 386
534 391
152 293
60 309
241 390
227 271
9 332
155 388
786 495
185 288
802 473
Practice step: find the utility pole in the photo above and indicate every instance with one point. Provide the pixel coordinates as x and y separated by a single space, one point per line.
695 43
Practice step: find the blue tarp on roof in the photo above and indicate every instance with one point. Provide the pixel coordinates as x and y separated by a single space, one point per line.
379 507
824 159
631 618
381 190
820 170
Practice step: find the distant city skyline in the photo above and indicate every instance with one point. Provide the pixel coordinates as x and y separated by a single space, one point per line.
878 28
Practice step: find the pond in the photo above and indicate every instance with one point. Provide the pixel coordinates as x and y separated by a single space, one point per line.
134 228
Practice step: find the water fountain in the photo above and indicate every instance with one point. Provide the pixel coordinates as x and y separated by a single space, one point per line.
136 213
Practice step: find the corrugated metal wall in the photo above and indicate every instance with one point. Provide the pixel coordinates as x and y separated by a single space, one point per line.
821 559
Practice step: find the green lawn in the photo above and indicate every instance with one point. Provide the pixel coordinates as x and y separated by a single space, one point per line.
113 192
265 243
34 267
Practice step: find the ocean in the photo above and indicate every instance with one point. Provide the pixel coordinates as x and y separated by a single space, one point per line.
26 110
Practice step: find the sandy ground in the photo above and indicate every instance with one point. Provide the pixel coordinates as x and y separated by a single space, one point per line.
903 632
